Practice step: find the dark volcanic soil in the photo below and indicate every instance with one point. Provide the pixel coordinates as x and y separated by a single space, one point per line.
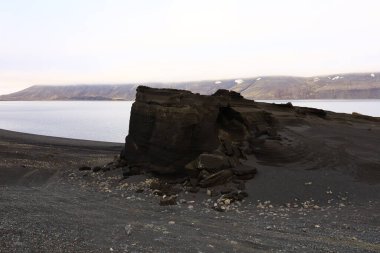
317 190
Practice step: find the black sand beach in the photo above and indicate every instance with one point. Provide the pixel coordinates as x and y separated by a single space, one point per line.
317 190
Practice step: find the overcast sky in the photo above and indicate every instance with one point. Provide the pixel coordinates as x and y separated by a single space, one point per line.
121 41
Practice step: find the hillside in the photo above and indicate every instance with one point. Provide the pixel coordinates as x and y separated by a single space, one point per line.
340 86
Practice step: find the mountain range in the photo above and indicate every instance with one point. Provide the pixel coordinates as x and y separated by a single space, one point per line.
339 86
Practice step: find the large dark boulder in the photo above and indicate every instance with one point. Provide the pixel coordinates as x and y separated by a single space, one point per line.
170 129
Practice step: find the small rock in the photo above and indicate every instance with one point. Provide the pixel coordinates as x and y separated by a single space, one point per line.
244 171
128 229
171 222
168 201
260 206
219 208
96 169
212 162
158 192
140 190
82 168
218 178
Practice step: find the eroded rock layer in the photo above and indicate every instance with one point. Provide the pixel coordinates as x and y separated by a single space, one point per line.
204 137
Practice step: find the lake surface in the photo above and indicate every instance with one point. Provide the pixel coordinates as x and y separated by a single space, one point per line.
109 120
88 120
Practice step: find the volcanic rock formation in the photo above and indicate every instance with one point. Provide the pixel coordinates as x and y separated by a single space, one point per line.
204 137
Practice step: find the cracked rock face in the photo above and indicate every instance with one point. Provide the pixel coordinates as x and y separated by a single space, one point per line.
176 131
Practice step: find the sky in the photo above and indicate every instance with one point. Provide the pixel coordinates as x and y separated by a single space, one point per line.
123 41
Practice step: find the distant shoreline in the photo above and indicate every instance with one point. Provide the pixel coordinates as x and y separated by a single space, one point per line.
338 86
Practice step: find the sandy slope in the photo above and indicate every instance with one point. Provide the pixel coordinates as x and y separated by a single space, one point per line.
47 205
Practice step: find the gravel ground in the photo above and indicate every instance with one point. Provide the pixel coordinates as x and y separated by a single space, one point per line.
48 205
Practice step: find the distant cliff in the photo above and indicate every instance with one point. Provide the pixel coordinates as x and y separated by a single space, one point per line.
340 86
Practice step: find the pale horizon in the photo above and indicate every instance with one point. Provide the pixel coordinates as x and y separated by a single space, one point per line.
115 42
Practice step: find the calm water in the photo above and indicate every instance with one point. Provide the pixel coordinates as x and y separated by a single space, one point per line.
109 121
89 120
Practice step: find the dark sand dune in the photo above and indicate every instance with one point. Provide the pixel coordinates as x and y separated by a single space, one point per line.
317 190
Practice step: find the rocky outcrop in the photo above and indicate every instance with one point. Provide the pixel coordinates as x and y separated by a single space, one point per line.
203 137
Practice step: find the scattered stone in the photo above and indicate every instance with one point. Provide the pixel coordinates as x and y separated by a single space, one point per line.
212 163
128 229
227 201
203 174
157 192
130 171
167 201
218 207
218 178
260 205
233 242
139 190
96 169
82 168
